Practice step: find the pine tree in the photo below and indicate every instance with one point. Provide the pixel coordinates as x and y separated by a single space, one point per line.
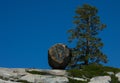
85 34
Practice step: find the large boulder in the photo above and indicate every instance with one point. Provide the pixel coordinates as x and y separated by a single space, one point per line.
59 56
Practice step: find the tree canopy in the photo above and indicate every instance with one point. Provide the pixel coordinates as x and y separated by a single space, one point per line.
87 26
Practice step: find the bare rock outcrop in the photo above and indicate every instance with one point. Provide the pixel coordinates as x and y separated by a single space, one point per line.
23 75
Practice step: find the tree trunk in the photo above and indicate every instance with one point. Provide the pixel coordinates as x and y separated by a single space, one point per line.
86 60
87 43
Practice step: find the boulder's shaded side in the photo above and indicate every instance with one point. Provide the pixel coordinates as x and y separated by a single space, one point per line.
59 56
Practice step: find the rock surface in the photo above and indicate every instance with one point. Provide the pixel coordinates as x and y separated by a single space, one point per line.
118 75
100 79
19 75
26 75
3 81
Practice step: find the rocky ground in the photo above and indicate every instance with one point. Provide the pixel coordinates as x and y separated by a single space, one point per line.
27 75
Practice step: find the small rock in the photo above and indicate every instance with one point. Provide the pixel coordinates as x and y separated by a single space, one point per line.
100 79
118 75
79 79
110 73
56 80
57 72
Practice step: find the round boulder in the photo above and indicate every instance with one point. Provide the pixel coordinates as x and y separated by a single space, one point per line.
59 56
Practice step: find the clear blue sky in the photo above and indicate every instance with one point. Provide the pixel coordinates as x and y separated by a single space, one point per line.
28 28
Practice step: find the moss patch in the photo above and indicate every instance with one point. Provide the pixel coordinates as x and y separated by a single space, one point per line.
114 79
37 72
23 81
92 70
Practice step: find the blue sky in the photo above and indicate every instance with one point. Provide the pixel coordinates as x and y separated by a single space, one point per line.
28 28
